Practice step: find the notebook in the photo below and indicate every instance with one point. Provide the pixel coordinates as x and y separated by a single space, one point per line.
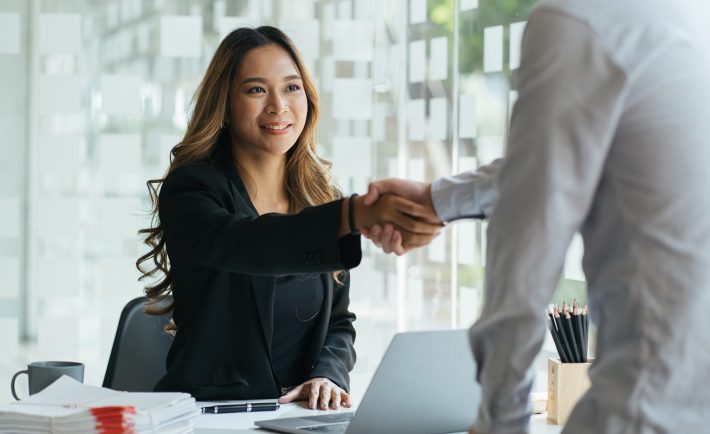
72 407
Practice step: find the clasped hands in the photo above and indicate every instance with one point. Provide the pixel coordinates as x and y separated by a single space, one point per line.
397 215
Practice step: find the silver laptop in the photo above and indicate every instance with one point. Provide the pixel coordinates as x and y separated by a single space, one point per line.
424 385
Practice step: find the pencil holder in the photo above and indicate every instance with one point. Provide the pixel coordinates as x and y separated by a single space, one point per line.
566 383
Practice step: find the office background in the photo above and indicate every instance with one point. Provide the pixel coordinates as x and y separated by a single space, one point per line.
96 93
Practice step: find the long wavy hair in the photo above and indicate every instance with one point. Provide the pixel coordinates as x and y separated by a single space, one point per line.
307 176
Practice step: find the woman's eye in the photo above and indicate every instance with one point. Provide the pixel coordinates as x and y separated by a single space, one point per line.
293 88
257 89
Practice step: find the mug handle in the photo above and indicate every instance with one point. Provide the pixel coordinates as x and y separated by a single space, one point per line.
12 383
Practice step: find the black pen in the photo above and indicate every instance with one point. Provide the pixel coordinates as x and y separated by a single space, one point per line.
241 408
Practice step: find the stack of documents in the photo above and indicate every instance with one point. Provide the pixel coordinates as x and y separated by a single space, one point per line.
67 406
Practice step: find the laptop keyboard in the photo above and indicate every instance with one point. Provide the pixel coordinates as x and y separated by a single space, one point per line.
331 418
339 428
329 423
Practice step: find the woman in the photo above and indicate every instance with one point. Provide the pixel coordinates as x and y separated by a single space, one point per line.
251 235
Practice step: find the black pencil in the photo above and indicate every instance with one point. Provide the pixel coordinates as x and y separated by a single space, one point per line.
579 331
585 315
563 338
567 327
555 336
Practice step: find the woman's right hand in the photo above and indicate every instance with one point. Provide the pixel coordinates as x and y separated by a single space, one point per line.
406 218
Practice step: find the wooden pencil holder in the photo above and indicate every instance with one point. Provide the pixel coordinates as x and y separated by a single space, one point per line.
566 383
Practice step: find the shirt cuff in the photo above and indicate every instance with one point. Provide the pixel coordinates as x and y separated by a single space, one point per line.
451 198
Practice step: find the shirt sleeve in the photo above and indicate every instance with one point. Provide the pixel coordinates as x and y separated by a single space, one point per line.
466 195
571 96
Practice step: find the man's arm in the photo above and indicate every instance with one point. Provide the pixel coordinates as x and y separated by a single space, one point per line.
467 195
571 97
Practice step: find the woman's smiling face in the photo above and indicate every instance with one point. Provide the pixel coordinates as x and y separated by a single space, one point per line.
268 106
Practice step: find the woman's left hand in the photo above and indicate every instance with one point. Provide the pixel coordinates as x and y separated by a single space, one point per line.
318 391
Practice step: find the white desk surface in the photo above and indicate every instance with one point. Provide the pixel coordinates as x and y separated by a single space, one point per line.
235 423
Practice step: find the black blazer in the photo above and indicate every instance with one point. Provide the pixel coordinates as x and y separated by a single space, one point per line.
224 261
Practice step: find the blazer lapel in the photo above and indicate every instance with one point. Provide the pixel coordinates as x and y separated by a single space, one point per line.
223 160
264 289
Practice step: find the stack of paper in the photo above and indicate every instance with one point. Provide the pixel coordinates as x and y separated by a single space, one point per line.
67 406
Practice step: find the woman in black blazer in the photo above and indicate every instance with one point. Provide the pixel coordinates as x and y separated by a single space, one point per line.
252 238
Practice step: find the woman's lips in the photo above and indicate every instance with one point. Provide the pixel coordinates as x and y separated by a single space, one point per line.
276 129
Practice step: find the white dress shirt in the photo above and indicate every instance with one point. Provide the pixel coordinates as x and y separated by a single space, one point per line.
610 137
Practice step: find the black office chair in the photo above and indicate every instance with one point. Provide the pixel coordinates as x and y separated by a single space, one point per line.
139 349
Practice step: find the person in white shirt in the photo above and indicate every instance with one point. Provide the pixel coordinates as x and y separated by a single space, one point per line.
610 137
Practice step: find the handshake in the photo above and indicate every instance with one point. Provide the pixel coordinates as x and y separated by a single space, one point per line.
396 215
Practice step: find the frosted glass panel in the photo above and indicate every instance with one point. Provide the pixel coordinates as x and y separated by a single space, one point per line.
328 14
516 38
416 169
167 143
417 11
58 94
118 277
9 33
467 116
120 94
416 119
489 148
59 33
438 114
58 338
120 217
10 212
467 243
226 25
415 298
417 63
120 153
573 260
493 49
9 277
353 40
352 156
180 36
58 277
305 35
57 217
352 163
467 5
469 305
9 342
438 58
60 155
436 251
352 99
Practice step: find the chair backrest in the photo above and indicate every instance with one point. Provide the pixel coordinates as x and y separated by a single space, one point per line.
139 349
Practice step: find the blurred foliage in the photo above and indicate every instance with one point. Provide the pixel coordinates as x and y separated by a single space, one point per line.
472 23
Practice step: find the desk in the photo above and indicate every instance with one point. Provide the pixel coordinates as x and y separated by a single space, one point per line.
235 423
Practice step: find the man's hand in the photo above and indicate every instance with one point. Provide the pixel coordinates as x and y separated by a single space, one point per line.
318 391
418 192
387 237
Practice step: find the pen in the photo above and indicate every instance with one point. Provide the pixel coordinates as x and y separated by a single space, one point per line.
241 408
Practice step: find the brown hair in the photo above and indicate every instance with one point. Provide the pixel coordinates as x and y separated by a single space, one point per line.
307 176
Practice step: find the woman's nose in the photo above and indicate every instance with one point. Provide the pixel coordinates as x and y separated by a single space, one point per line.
277 104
